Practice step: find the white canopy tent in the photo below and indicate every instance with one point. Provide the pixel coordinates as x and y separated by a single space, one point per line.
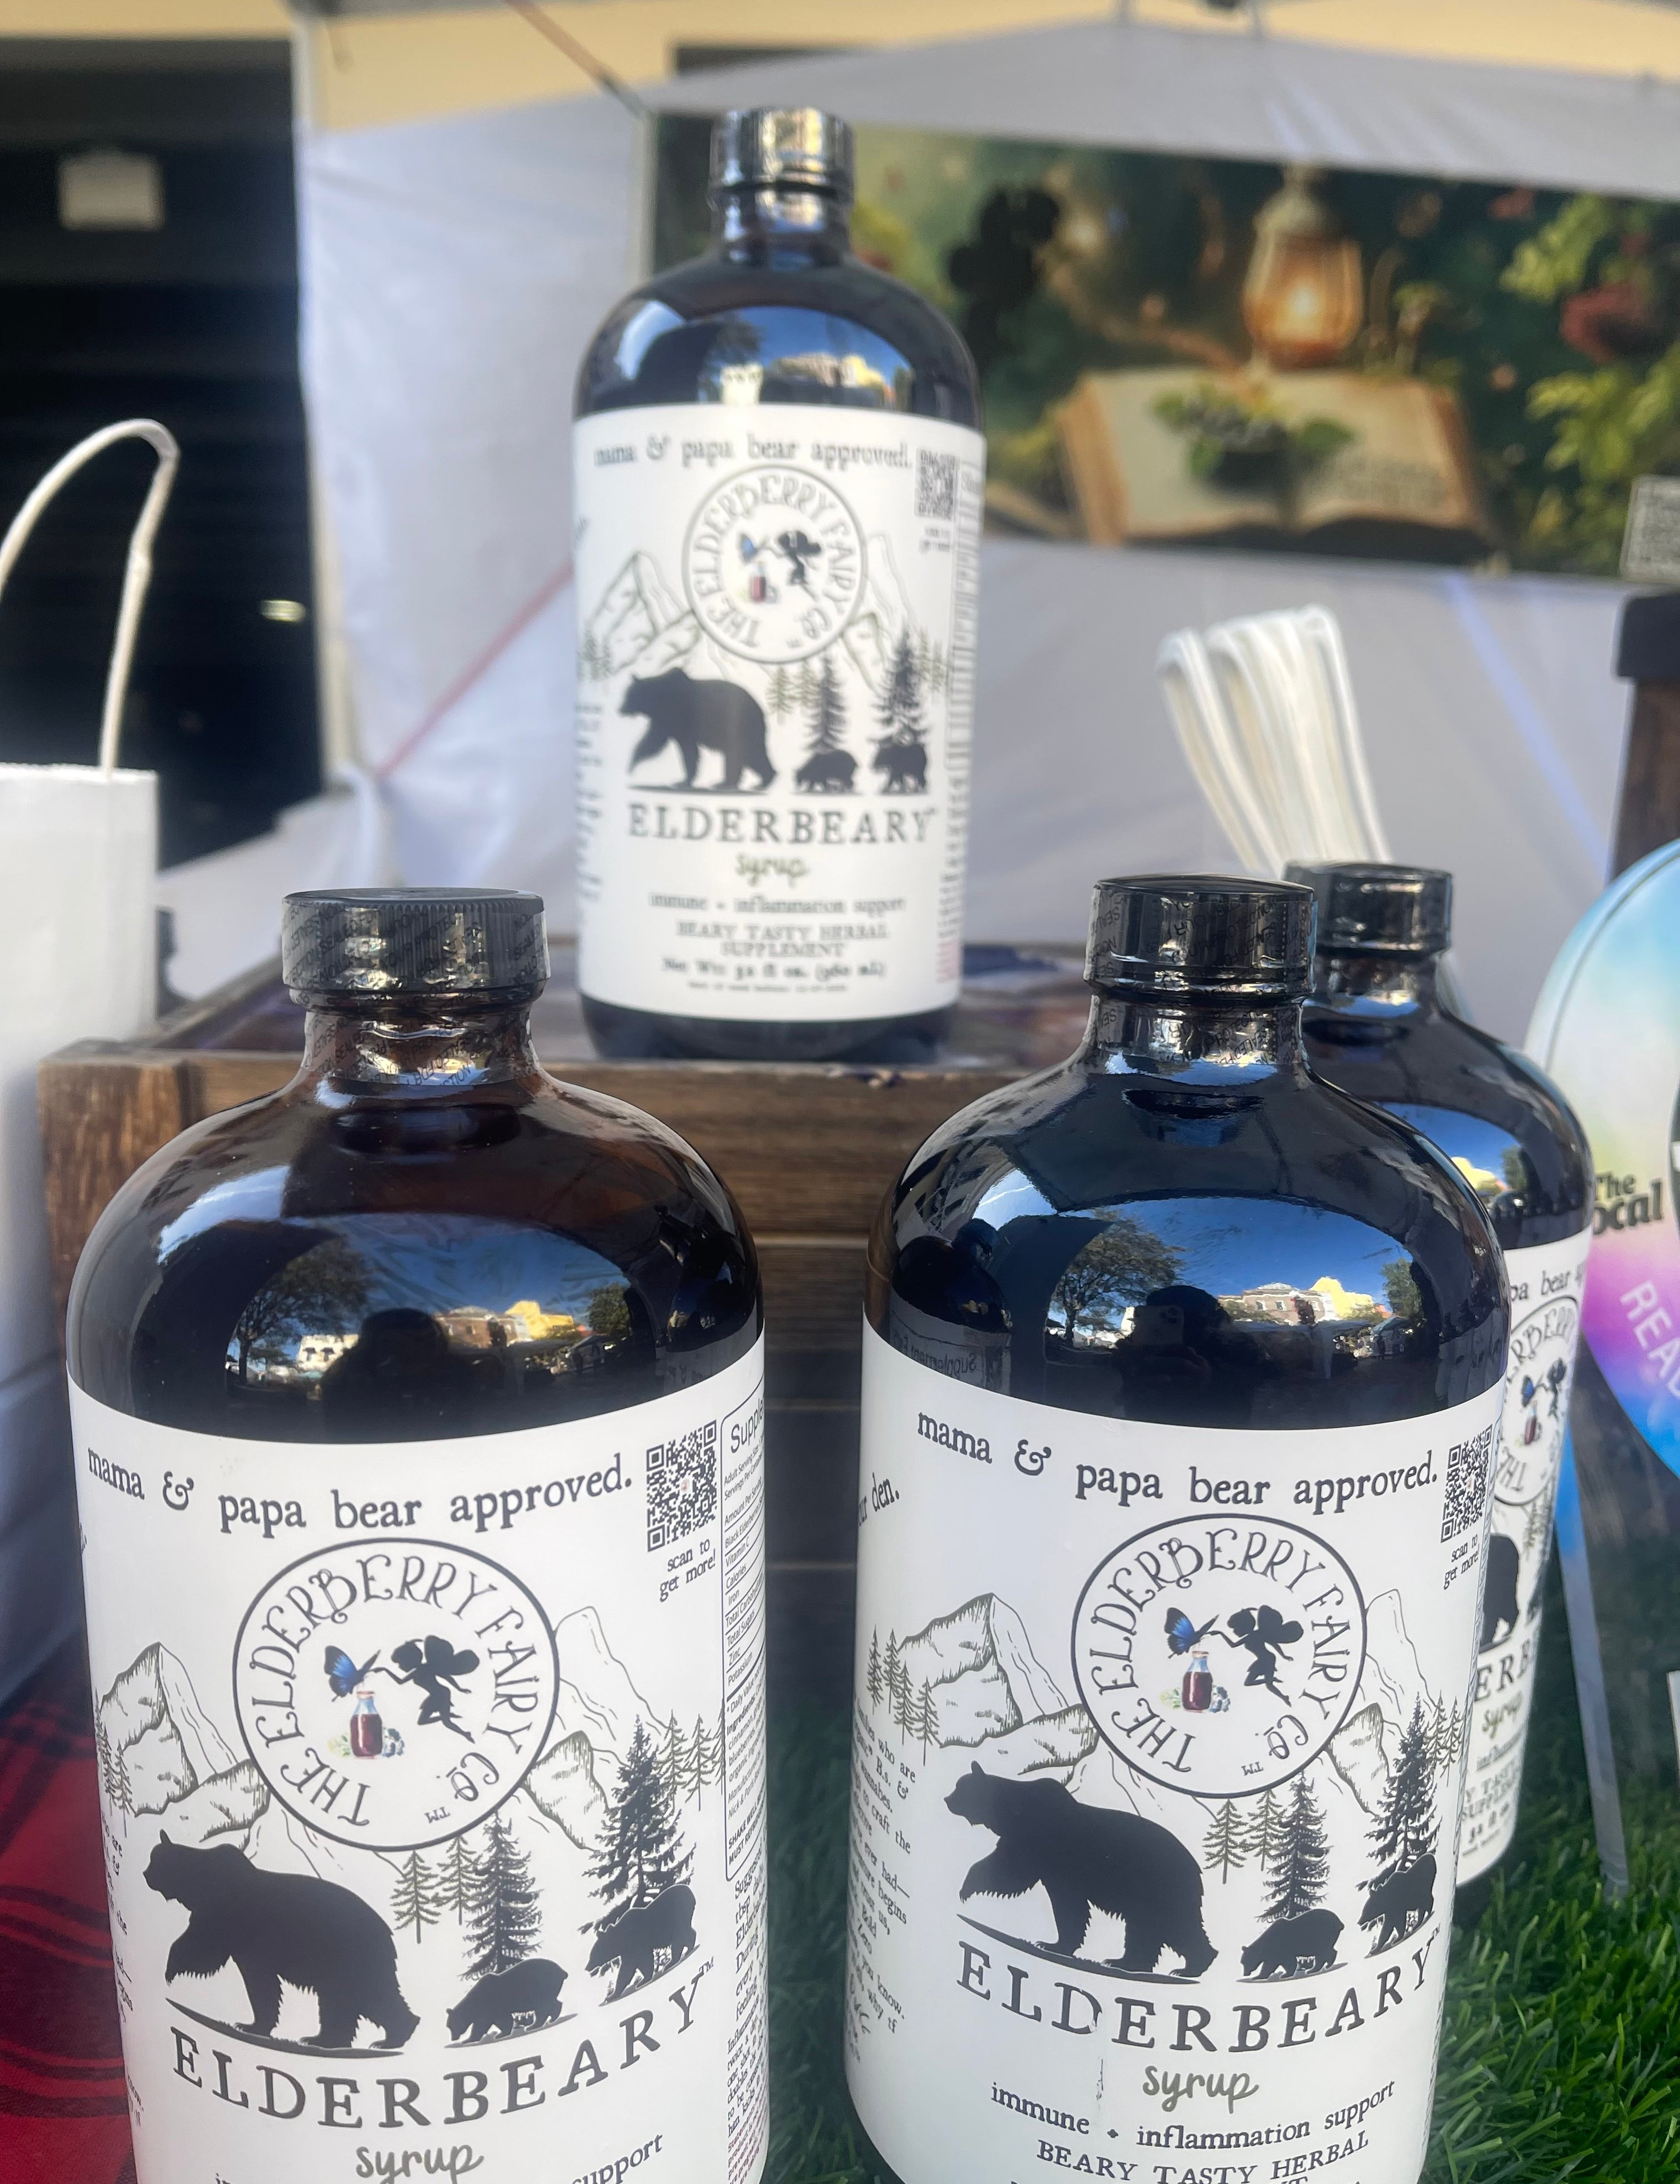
454 267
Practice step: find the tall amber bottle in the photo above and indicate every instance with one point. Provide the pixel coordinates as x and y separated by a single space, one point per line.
417 1414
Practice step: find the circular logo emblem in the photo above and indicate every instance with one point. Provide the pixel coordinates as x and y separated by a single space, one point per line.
773 564
1536 1400
393 1692
1217 1656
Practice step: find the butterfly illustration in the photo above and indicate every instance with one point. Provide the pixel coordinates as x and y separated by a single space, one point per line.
1182 1633
341 1671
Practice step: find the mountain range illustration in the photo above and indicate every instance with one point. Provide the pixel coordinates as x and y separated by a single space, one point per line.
643 626
990 1688
161 1754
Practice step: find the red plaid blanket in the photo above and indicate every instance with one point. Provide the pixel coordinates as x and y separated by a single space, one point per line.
63 2116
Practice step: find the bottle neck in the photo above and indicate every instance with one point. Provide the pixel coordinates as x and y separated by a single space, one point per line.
1206 1039
1377 985
409 1047
753 226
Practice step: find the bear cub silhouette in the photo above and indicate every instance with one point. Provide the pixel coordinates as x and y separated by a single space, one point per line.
698 716
531 1989
1498 1597
310 1933
1309 1938
1087 1858
1399 1905
634 1940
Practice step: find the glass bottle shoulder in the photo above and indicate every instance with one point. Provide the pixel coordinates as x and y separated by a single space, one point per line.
1497 1118
831 333
370 1270
1269 1254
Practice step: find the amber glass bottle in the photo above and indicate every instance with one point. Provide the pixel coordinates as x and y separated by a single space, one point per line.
1376 1025
777 481
1181 1384
418 1425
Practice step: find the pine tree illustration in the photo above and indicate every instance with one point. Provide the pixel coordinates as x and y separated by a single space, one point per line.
805 688
782 693
872 1672
673 1763
505 1913
641 1854
414 1901
1226 1850
827 710
456 1877
903 1699
899 709
703 1761
1300 1872
1405 1827
926 1717
1263 1837
889 1675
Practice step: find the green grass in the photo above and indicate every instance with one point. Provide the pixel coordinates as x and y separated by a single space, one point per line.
1559 2058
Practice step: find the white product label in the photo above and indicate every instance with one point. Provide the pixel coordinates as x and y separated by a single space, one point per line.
433 1790
1159 1748
776 670
1546 1282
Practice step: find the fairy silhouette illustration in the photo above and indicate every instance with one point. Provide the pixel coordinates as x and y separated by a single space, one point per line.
1262 1633
800 552
436 1669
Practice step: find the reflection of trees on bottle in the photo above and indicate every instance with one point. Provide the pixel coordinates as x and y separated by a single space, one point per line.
872 1672
1405 1828
1225 1849
1117 1268
1300 1870
456 1878
641 1854
414 1900
504 1914
1399 1287
1264 1838
323 1291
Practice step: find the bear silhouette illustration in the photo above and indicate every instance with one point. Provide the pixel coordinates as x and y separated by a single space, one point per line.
275 1927
531 1989
698 716
1400 1903
828 773
1498 1597
638 1936
1087 1858
1306 1942
904 760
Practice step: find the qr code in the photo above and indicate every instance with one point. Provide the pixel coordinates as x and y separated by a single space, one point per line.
681 1487
936 486
1467 1484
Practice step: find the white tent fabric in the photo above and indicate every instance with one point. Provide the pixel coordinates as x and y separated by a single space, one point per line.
454 270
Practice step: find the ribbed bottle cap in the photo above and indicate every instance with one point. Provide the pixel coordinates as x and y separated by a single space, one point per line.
413 940
1197 934
797 148
1380 910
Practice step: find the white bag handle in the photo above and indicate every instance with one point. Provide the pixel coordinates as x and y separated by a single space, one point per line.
136 576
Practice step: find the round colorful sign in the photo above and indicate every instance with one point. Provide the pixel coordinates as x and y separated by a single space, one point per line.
394 1692
1217 1656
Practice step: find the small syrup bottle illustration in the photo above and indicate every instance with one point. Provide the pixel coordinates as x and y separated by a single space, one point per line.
1197 1691
367 1730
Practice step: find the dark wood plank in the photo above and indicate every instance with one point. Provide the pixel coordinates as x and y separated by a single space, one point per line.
1648 808
103 1113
